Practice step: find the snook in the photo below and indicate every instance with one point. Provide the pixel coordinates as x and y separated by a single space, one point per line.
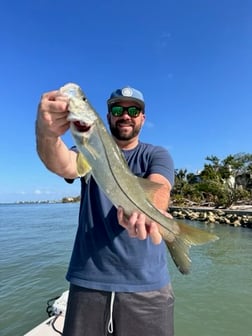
101 157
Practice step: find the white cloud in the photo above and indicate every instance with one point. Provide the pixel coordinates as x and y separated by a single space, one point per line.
21 192
149 124
43 192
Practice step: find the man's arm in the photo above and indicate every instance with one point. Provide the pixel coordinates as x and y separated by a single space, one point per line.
51 124
161 171
162 196
136 225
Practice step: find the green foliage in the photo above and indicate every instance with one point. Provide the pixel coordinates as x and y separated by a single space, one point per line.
215 184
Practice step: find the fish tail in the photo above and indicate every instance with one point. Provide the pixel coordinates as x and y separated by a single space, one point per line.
179 252
180 245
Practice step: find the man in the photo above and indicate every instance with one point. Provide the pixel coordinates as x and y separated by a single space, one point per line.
119 280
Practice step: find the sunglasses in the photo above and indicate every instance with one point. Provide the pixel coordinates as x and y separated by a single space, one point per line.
117 111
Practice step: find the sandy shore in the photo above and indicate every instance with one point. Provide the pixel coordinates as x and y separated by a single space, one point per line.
241 207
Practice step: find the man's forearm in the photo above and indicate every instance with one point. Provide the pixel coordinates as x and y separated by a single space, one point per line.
162 195
55 155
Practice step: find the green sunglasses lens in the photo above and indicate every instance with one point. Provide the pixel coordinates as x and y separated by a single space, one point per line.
133 111
117 111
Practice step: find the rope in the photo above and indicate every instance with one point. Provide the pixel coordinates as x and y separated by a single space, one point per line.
110 324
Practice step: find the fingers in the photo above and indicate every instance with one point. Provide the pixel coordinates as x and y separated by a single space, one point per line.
165 213
120 216
154 233
127 223
137 226
54 102
52 114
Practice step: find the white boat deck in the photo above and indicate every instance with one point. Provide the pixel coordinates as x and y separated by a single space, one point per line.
51 327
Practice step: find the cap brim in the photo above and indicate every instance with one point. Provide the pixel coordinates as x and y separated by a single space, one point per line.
118 99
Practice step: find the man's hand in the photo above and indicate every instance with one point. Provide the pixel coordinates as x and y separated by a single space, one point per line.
52 115
51 124
137 225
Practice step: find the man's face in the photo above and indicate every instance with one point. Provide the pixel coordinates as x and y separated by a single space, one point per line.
125 127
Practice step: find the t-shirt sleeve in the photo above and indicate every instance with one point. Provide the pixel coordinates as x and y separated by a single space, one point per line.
161 163
70 181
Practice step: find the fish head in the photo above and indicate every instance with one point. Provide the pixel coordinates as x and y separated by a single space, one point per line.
81 115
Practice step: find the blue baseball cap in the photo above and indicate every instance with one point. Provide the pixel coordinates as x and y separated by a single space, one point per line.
127 93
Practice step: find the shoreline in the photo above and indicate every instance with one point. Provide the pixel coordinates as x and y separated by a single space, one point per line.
237 215
241 209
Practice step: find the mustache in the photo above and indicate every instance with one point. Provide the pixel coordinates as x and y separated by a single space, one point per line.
125 122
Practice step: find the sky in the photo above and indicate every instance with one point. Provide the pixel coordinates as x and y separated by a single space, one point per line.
192 60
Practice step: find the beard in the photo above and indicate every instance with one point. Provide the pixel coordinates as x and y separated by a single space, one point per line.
122 134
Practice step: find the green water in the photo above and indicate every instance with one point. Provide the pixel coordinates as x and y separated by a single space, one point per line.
36 242
216 298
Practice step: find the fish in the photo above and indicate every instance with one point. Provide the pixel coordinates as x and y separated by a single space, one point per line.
99 156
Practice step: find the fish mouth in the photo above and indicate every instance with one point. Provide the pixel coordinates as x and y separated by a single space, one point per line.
81 126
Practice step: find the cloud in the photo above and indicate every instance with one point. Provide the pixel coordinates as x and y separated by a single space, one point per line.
43 192
149 124
21 192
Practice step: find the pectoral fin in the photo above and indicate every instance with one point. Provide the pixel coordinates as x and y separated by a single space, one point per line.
83 168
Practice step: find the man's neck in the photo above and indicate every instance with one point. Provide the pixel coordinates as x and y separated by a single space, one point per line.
127 144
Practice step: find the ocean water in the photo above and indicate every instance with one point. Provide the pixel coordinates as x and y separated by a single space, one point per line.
215 299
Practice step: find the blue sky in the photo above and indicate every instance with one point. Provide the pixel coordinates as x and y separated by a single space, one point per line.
192 59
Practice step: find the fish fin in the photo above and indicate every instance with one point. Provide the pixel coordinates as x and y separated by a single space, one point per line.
149 187
195 236
179 251
83 168
179 244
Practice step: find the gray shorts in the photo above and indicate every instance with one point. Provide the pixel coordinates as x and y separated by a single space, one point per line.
99 313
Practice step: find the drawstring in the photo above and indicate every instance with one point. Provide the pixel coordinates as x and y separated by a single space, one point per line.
110 324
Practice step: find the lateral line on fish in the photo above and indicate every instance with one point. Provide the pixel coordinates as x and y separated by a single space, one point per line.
119 185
